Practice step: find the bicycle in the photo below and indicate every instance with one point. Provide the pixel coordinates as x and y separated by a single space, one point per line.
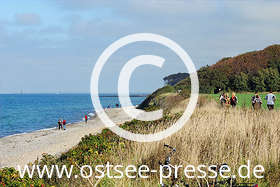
174 181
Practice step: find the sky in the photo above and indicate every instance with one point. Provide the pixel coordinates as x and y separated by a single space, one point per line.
49 46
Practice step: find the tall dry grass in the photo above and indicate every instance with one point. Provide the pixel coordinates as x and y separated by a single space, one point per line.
214 135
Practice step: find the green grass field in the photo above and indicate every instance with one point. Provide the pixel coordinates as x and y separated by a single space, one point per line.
244 99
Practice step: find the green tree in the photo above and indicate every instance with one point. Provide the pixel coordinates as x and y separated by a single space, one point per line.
271 79
204 75
240 82
275 64
218 79
257 82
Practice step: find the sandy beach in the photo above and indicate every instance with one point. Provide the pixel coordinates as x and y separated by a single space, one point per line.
25 148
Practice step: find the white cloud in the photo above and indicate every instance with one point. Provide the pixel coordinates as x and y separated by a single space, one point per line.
208 30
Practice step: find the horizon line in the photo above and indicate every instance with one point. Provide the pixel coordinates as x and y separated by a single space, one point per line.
112 93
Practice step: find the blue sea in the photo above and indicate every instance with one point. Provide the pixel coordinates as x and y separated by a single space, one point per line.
21 113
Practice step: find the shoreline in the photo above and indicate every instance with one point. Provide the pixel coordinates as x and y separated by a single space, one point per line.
55 127
24 148
45 129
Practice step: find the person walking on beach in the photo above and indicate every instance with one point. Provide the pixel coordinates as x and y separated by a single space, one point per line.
271 98
233 100
64 124
59 124
86 118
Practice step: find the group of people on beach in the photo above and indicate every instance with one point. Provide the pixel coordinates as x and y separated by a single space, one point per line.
256 100
117 106
62 123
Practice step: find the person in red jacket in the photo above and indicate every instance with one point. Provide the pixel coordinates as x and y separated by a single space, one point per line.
86 118
64 124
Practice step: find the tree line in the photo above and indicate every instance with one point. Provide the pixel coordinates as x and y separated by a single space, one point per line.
212 80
